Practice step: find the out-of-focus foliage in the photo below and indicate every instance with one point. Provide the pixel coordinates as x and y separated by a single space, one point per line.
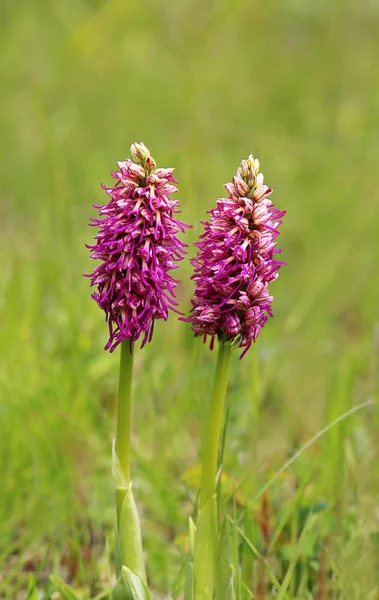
202 84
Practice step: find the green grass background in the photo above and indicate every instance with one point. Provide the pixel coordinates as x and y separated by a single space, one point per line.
202 84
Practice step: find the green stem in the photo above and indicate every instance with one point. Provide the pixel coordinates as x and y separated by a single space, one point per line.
255 400
125 408
213 431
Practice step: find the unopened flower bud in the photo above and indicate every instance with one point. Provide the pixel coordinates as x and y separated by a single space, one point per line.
262 192
150 163
139 153
259 180
243 168
240 185
232 191
253 165
231 326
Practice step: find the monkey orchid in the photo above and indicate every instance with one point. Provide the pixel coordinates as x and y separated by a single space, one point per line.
235 263
137 244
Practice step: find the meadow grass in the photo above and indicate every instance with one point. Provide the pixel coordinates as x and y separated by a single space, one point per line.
202 85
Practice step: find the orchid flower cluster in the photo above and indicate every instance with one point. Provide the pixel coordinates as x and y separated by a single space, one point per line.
236 261
138 246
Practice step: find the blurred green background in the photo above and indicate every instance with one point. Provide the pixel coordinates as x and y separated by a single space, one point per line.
202 85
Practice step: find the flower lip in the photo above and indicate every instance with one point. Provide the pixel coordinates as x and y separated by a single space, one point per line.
137 243
236 261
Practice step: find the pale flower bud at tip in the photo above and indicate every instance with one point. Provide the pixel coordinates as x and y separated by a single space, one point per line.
139 153
244 168
253 165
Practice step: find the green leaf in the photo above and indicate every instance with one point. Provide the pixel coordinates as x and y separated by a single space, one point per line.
191 537
224 568
117 472
32 592
188 584
205 551
230 593
192 478
63 588
248 558
130 587
129 533
118 555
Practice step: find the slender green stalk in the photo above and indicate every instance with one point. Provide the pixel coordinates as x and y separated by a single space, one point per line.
255 401
125 408
205 550
130 568
213 431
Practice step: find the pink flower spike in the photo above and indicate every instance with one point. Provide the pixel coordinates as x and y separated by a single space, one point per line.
235 259
137 245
